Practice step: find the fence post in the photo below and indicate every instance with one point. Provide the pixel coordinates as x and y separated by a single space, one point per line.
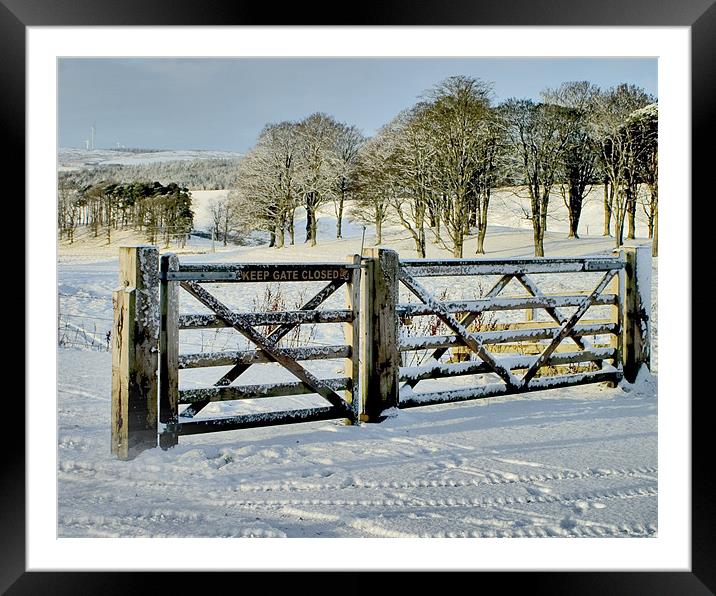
168 354
135 336
352 332
380 350
636 318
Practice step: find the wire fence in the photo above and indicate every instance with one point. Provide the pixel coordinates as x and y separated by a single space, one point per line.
84 332
95 333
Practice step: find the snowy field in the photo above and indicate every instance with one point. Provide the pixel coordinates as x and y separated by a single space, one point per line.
578 462
75 159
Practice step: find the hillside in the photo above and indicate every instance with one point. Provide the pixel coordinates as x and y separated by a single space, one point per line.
76 159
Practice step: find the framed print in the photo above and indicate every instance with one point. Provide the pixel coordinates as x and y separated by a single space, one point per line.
52 547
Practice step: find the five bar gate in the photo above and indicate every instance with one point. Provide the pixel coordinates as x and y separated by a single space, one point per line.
148 323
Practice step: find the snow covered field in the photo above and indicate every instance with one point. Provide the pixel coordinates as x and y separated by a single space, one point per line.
569 462
75 159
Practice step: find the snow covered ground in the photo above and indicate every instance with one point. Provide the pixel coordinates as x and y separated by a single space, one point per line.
570 462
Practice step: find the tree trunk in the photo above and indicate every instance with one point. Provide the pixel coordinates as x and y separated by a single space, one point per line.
291 230
481 233
378 227
339 223
538 234
608 197
575 212
482 222
436 231
539 242
631 212
457 246
279 234
314 228
655 237
619 229
309 218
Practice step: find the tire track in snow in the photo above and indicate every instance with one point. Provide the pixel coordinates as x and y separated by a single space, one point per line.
446 503
491 478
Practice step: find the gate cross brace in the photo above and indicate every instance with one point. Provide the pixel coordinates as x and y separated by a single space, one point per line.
566 329
467 320
272 339
276 354
459 329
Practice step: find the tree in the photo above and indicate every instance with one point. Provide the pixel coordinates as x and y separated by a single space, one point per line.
620 147
408 163
580 151
645 122
266 190
375 183
223 217
348 143
537 146
67 208
318 169
455 121
490 150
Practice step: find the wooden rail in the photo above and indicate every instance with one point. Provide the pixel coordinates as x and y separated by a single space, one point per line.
295 317
213 394
517 303
248 357
439 371
504 336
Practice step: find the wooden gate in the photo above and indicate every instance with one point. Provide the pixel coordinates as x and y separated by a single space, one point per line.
539 354
515 357
191 278
341 393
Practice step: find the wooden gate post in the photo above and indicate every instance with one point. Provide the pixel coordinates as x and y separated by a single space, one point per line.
352 333
636 318
135 342
169 354
379 321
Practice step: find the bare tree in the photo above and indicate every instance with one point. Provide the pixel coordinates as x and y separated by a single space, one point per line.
458 109
410 166
267 190
620 148
580 152
67 208
645 121
318 168
348 143
217 208
490 149
375 181
537 147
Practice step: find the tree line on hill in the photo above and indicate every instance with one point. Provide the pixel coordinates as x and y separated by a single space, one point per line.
157 211
433 167
199 174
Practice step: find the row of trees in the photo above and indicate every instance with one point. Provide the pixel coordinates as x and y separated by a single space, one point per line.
308 164
434 166
150 207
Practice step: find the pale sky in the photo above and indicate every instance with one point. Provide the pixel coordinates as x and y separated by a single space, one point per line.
223 103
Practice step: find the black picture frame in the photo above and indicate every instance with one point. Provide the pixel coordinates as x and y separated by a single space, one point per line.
699 15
